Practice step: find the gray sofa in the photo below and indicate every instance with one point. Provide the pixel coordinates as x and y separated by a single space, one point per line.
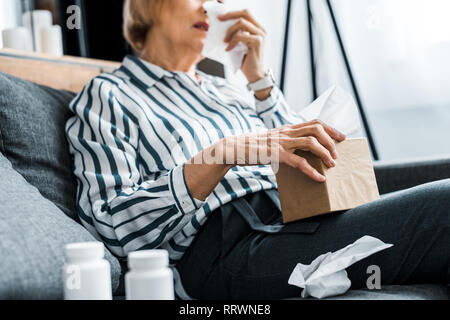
38 197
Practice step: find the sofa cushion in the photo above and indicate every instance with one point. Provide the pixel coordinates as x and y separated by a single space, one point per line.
33 232
32 137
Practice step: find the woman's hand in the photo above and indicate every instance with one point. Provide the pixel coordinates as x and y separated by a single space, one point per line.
279 145
204 171
248 31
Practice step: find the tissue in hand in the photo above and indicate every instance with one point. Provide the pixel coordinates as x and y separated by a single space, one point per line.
326 275
215 47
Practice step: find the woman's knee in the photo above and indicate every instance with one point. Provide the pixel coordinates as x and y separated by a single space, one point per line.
432 200
438 195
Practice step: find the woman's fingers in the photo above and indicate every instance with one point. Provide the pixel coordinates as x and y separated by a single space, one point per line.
321 135
335 134
243 25
249 32
301 163
312 145
251 41
241 14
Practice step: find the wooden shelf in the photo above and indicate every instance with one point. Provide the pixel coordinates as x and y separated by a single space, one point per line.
67 72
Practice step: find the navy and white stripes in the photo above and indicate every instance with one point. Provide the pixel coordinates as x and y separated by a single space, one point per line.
132 132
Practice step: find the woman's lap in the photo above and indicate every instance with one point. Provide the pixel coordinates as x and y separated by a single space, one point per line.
258 265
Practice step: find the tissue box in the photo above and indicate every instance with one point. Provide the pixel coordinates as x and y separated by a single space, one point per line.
350 184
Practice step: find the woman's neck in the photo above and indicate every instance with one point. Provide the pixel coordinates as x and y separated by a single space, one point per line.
162 52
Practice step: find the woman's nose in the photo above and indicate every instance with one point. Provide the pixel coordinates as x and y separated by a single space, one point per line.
203 1
201 7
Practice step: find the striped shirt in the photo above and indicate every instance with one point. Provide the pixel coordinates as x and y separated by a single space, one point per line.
132 132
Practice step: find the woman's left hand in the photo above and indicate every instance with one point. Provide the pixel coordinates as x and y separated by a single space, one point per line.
248 31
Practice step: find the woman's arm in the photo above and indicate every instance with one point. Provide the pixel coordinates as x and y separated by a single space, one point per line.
205 170
202 179
271 106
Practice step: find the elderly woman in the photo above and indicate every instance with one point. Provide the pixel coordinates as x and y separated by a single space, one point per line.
140 136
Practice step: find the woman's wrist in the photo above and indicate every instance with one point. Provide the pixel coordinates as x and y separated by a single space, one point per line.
256 76
262 95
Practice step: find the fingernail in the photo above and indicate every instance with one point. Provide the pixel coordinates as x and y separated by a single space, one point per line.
334 154
332 163
318 175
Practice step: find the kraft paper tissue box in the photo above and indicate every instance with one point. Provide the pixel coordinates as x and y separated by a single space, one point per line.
350 184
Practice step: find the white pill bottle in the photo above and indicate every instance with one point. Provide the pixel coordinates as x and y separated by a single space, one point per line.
150 277
86 275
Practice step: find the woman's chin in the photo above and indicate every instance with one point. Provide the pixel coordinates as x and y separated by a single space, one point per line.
197 46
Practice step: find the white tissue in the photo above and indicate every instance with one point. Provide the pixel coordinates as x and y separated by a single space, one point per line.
326 275
215 47
336 108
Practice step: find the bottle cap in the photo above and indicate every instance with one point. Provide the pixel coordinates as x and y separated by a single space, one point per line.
85 251
148 259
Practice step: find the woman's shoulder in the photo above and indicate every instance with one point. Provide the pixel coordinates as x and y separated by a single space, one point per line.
102 88
105 84
107 81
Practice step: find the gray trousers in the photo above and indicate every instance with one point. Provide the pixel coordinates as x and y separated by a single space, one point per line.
229 259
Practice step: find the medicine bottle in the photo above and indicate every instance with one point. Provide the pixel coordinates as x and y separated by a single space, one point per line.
149 277
86 275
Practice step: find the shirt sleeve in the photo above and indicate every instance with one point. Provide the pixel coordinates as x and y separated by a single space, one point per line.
124 208
275 112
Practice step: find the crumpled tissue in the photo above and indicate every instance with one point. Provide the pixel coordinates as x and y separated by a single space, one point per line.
337 108
215 47
326 275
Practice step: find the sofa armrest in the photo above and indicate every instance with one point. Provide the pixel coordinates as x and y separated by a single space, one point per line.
398 175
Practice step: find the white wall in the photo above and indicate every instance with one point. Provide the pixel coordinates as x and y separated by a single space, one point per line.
298 84
398 50
9 15
409 41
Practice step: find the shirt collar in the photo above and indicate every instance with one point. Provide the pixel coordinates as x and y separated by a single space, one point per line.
146 73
